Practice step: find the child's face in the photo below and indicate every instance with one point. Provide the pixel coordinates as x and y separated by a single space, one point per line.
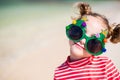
94 25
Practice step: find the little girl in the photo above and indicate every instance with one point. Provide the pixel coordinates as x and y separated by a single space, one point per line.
87 36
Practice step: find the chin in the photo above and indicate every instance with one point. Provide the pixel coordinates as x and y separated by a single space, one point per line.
78 52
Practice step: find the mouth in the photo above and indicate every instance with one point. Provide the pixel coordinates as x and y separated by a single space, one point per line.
79 46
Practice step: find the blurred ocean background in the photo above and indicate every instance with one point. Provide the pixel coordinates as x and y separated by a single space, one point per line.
32 36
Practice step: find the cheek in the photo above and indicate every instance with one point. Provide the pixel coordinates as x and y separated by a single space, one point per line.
71 43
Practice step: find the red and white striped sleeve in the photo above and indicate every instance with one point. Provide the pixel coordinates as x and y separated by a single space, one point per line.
112 72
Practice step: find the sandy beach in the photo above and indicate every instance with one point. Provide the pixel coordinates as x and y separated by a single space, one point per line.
33 41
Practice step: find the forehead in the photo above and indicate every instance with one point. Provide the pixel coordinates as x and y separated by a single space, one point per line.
94 25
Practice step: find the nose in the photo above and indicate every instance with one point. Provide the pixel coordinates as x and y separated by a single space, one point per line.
82 42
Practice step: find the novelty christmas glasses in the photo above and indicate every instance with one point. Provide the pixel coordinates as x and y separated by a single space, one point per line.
95 45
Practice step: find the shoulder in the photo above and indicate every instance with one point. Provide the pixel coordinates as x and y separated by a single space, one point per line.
108 62
62 66
102 58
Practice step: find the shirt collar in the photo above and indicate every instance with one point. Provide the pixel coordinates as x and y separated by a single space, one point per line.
80 62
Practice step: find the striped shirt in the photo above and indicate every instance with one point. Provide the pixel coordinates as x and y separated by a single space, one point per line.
92 68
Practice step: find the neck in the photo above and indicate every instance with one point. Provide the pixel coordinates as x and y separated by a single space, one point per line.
72 58
75 58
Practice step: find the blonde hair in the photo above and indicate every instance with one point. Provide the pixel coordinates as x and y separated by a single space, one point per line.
113 33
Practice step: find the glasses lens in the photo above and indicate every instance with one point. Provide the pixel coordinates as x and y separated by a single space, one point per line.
75 32
94 45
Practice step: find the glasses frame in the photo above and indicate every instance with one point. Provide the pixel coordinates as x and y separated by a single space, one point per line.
84 36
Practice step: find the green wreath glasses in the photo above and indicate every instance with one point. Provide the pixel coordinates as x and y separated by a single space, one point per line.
95 44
